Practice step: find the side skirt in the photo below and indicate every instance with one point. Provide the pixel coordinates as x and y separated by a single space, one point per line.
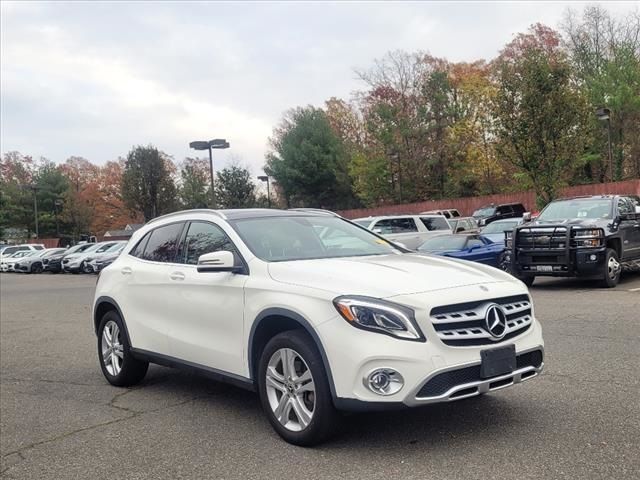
208 372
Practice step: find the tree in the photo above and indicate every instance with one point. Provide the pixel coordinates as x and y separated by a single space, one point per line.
234 188
309 162
540 113
17 173
52 186
195 184
606 55
147 183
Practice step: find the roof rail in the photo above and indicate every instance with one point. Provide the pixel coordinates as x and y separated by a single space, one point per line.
195 210
315 210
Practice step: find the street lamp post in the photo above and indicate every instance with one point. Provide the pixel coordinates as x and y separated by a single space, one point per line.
605 114
35 189
265 178
218 143
57 204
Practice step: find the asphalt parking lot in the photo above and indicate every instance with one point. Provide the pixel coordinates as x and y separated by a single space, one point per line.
60 419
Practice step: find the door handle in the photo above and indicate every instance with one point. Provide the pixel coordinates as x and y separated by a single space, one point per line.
177 276
126 271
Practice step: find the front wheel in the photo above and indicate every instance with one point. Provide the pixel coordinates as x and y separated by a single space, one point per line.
118 365
294 390
36 268
612 269
86 268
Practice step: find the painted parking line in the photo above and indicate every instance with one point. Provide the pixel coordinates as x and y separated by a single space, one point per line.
635 290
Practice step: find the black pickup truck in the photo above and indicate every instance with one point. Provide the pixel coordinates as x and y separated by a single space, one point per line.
592 237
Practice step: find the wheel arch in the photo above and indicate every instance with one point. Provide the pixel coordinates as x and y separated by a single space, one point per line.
104 305
273 321
615 244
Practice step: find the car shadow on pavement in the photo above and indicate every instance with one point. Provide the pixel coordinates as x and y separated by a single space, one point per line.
430 426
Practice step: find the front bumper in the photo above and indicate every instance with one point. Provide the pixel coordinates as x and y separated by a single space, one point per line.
576 263
354 354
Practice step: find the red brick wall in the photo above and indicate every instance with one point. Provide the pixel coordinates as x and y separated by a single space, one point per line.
466 206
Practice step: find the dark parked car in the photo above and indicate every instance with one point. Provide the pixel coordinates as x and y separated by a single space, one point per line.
53 264
594 237
473 247
491 213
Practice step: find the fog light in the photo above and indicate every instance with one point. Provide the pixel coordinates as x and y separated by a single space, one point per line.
593 258
384 381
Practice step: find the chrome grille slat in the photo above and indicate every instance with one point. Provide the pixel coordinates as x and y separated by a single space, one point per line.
464 324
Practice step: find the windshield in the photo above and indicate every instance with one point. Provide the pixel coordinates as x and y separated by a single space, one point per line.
443 242
484 212
582 208
499 227
362 223
278 239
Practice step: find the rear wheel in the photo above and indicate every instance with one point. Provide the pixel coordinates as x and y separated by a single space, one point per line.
612 269
86 268
118 365
294 390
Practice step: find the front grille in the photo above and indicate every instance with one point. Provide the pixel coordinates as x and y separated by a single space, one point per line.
463 324
542 238
443 382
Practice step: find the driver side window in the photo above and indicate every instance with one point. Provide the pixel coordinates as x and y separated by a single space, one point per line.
201 238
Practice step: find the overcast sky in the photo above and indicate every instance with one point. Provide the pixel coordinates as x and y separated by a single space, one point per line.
93 79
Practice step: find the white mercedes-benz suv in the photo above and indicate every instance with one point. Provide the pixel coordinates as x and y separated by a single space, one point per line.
314 312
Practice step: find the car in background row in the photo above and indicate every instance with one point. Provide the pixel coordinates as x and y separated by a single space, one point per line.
446 213
34 263
495 230
74 262
409 230
53 264
96 262
9 250
464 224
472 247
8 261
491 213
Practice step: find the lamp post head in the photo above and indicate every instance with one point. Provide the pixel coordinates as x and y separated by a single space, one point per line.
603 113
263 178
199 145
219 143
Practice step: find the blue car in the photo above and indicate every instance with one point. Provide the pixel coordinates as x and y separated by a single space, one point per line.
473 247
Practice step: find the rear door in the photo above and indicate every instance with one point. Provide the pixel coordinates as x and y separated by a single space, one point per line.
400 229
207 313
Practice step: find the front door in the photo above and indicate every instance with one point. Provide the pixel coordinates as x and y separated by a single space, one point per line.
207 320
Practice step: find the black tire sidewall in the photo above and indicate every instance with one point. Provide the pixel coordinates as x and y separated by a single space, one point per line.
607 281
322 423
132 370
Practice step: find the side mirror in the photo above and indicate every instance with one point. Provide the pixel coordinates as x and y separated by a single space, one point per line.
526 217
222 261
637 208
377 230
459 229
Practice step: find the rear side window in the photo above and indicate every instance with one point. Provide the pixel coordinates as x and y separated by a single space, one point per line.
396 225
138 250
505 209
434 223
203 238
38 247
162 244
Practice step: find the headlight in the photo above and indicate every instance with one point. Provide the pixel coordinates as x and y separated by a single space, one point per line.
588 233
379 316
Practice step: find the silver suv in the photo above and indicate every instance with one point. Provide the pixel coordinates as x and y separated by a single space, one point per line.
409 230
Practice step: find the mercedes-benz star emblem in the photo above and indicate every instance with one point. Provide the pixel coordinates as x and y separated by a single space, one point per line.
496 321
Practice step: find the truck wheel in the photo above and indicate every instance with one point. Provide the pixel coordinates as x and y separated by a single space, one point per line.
528 281
612 269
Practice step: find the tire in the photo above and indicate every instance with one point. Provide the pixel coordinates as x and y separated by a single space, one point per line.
36 268
528 281
124 370
86 268
503 264
297 404
612 269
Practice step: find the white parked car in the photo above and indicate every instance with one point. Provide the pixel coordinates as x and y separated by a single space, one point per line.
9 250
8 261
93 261
410 230
256 297
75 262
34 263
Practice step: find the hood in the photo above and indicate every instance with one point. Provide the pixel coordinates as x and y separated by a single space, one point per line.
385 275
585 222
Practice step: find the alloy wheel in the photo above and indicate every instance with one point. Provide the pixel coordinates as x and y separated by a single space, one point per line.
613 268
111 348
290 389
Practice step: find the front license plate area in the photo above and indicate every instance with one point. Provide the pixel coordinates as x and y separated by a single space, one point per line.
544 268
497 361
